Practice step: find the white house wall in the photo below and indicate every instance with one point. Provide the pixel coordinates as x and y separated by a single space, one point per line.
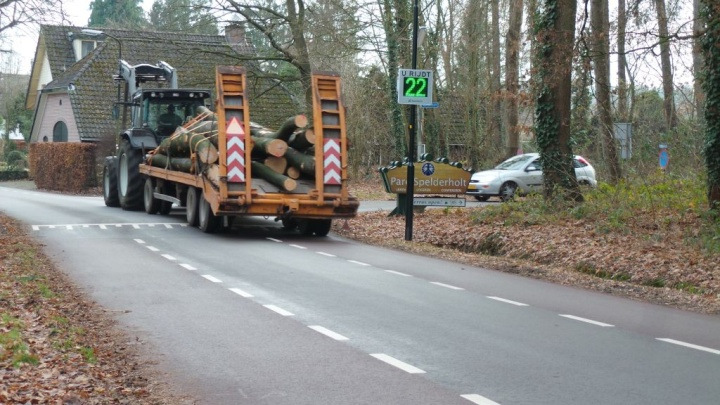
54 108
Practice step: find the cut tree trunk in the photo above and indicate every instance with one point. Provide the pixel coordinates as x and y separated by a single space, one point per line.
212 173
182 164
268 147
277 164
277 179
204 148
304 163
302 140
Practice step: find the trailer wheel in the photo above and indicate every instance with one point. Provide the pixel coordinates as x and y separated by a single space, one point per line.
152 204
289 224
191 206
207 221
166 206
305 226
110 193
130 184
321 227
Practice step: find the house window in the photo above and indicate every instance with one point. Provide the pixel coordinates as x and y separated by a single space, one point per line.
60 132
86 47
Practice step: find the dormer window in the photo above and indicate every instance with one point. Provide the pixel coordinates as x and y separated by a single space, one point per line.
86 47
82 47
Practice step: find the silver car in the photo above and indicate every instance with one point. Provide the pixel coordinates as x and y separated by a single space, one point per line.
521 174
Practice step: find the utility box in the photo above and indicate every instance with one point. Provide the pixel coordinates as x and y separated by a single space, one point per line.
622 131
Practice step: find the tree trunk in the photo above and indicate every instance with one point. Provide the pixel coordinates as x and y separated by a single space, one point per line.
277 164
305 163
182 164
601 60
699 94
494 108
555 35
279 180
667 72
512 73
262 147
302 140
711 85
622 63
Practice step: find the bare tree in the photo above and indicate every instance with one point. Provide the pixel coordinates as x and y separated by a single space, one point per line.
16 13
600 25
512 72
667 71
622 110
698 92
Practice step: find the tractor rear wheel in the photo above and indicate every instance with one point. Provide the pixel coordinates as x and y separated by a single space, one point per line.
129 182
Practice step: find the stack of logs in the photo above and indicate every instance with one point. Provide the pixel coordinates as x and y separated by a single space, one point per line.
279 157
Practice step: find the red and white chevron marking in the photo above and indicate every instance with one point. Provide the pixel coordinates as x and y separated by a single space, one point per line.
331 161
235 134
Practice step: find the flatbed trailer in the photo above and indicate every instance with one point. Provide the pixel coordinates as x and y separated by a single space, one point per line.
310 207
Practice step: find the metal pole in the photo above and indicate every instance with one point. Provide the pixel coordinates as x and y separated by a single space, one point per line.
411 139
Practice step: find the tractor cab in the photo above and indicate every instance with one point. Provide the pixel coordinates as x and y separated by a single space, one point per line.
163 110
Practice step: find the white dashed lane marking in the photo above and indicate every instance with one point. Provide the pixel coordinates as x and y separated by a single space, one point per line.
590 321
328 332
153 248
274 240
211 278
326 254
241 292
397 363
278 310
519 304
167 256
297 246
478 399
689 345
452 287
140 241
133 225
397 273
360 263
187 266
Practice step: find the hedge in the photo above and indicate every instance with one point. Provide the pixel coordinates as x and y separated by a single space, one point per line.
62 166
7 175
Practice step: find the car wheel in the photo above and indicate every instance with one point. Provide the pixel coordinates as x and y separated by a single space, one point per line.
481 198
507 191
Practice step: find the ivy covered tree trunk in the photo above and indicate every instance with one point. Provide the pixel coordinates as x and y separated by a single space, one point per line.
711 85
555 34
395 23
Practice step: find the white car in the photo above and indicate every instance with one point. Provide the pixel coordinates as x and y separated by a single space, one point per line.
521 174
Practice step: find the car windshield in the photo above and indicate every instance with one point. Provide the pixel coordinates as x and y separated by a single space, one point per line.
515 162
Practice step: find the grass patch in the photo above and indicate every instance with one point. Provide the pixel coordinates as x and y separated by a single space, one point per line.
591 269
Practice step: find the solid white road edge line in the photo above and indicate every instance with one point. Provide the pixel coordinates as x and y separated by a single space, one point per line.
328 332
241 292
326 254
187 266
690 345
479 399
211 278
397 363
357 262
520 304
590 321
452 287
279 310
398 273
167 256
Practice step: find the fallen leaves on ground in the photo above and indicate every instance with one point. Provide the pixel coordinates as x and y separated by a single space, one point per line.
644 264
55 345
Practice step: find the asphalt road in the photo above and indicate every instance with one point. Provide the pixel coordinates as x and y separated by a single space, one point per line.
261 316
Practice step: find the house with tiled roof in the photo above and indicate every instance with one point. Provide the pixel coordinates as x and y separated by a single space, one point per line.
73 93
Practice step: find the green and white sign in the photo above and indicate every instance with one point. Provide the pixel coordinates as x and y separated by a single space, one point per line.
414 86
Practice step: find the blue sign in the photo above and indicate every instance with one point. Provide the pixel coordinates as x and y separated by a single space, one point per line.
434 104
428 169
663 158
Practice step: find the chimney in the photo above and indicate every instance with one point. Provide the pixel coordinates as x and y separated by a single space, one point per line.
235 36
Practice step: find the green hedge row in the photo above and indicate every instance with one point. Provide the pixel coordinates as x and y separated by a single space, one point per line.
7 175
63 166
